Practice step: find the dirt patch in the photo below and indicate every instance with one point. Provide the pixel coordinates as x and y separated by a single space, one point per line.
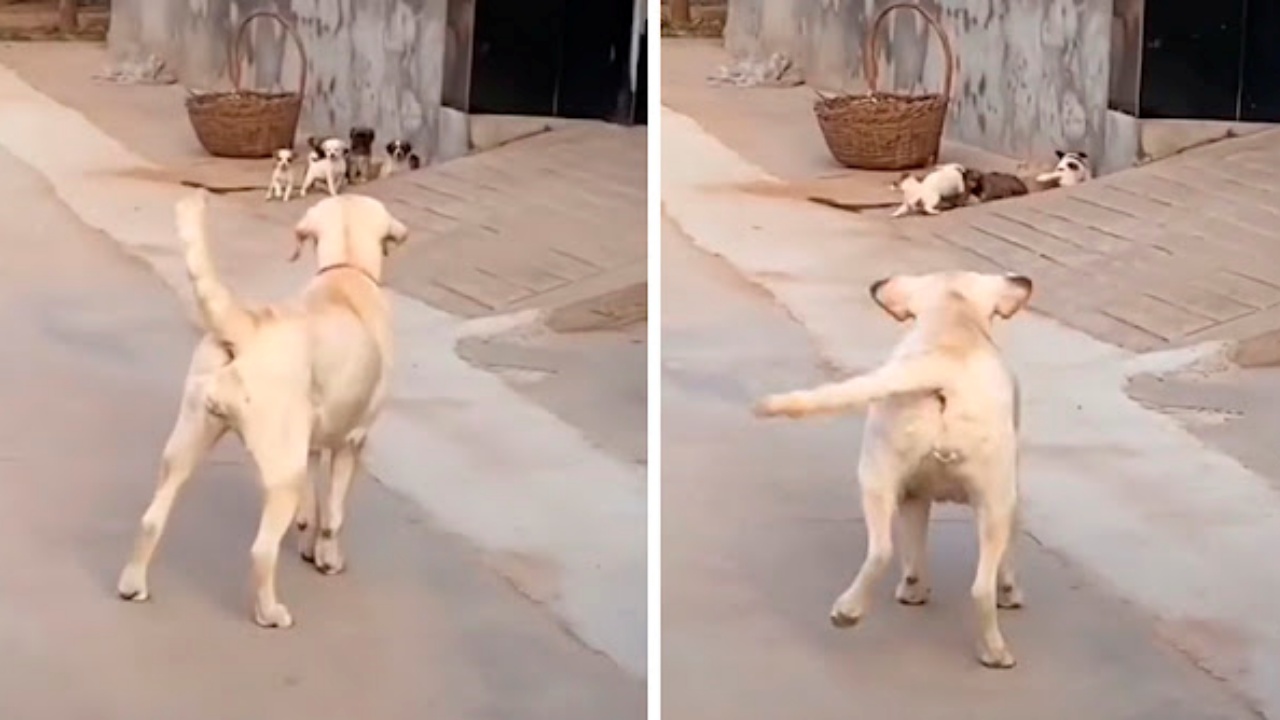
34 21
706 20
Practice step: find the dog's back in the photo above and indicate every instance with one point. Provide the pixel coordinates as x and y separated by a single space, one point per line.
329 349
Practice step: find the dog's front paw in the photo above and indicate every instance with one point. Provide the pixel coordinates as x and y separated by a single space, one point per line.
847 611
997 658
911 591
779 405
272 616
1009 597
133 584
328 557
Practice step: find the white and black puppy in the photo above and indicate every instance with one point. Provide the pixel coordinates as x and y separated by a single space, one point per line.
360 162
281 176
400 157
328 163
1072 169
943 185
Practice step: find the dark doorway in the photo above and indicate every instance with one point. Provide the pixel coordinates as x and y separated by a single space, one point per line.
640 110
1211 60
1191 59
515 60
564 58
1260 81
595 77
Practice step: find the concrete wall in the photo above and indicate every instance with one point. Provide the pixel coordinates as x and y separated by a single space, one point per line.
370 62
1033 74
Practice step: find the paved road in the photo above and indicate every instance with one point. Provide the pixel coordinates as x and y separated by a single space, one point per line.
761 531
95 350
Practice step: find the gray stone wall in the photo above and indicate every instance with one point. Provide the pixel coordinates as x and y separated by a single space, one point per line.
370 62
1032 74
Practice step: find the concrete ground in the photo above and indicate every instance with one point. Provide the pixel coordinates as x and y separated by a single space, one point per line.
761 530
419 625
567 242
1180 531
469 565
1166 255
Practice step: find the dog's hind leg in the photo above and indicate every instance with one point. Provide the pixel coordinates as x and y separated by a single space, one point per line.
913 589
306 521
995 528
329 559
1009 592
878 505
195 432
284 472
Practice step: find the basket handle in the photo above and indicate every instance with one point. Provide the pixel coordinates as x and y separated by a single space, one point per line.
871 53
234 55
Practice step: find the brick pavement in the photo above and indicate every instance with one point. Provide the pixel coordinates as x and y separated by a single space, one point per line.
1176 252
551 221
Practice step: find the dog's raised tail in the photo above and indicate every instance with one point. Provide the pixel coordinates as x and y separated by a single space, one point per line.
223 316
899 377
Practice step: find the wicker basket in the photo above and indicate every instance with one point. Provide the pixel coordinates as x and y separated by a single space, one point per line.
881 130
246 123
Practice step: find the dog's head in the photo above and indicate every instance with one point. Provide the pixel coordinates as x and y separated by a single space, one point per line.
327 148
352 229
983 296
362 140
975 181
1072 168
399 150
284 158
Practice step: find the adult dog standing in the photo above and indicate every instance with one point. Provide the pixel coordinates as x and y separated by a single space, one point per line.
942 427
288 378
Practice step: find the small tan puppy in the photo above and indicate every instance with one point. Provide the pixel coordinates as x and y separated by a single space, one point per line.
941 427
288 378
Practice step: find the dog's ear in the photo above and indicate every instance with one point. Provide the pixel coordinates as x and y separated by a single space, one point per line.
1082 156
1059 153
1013 296
391 147
313 142
893 294
397 233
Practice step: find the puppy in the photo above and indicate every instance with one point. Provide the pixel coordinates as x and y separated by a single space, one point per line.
281 176
360 165
943 184
289 379
942 426
988 186
400 157
1072 169
327 162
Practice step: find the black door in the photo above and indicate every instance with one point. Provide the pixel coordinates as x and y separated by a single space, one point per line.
1191 59
640 114
595 74
564 58
516 52
1260 85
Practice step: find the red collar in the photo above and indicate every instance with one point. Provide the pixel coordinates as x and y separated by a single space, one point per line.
349 266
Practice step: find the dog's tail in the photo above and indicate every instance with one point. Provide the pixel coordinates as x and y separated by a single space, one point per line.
225 317
898 377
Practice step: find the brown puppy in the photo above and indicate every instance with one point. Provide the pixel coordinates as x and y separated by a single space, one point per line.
993 185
